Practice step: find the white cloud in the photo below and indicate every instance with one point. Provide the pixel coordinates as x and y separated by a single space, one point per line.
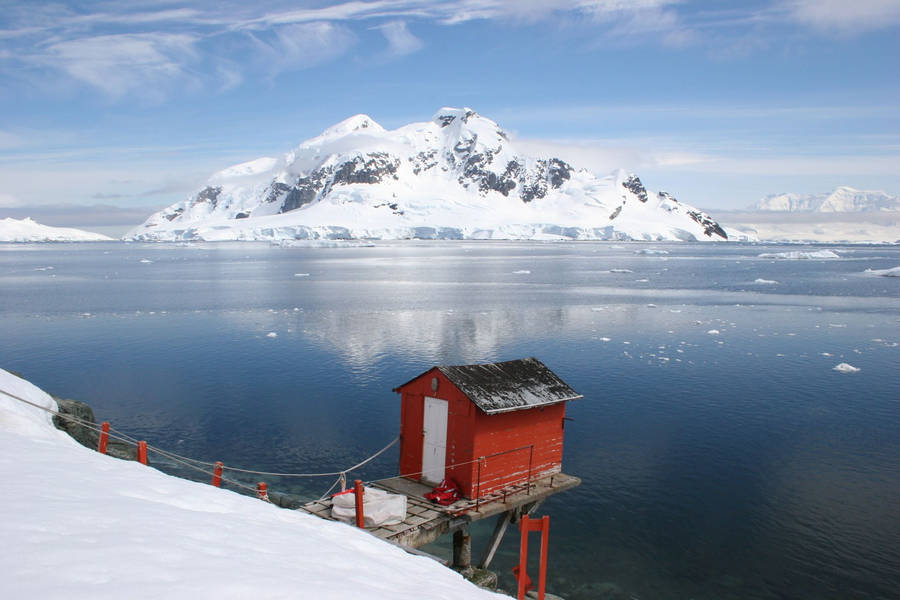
300 45
122 64
847 16
400 40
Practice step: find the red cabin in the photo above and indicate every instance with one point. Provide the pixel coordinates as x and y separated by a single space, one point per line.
486 426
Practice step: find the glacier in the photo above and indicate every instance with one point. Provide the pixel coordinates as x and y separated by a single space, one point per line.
28 230
456 176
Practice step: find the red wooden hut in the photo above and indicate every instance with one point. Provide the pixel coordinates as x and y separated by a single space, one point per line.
487 426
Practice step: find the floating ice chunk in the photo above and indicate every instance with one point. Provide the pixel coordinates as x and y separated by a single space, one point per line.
621 271
641 280
801 254
651 305
271 334
296 309
713 332
650 251
605 339
301 274
43 269
826 354
522 272
895 272
765 281
845 368
837 325
146 261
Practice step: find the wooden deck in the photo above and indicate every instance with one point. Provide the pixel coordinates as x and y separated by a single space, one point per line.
425 522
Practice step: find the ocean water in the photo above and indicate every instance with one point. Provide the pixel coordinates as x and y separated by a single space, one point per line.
721 454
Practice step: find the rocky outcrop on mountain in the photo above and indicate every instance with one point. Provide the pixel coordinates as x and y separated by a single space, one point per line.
456 176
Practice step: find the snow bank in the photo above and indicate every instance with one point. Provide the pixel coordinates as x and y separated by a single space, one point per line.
82 525
801 255
894 272
26 230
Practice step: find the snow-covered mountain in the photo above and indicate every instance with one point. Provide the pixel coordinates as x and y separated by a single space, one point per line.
26 230
842 199
455 176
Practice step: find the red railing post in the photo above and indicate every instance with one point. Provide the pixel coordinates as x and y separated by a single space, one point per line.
104 437
142 452
545 540
526 525
217 474
358 493
262 491
523 558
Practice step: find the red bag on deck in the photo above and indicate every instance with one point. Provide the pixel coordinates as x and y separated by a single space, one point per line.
446 492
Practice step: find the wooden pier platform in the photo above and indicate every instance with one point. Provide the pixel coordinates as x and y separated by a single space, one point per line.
425 522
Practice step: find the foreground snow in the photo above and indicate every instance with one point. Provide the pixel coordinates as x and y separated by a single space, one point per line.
26 230
82 525
457 176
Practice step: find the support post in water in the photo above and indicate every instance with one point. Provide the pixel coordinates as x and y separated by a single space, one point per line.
142 452
104 437
262 491
526 525
217 474
358 493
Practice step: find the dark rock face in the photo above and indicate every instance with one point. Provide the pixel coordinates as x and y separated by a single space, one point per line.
615 213
175 214
666 196
242 215
547 174
84 435
633 184
209 194
423 161
710 227
368 168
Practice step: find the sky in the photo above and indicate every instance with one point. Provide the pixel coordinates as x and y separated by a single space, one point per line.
110 110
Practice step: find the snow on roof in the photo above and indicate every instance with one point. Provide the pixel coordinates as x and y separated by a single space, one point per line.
84 525
511 385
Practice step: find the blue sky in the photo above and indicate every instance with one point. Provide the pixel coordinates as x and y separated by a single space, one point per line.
134 104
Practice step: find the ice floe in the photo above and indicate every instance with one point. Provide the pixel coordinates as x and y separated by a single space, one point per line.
845 368
801 254
894 272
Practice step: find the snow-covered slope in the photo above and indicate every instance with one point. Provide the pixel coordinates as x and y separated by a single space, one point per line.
842 199
455 176
26 230
78 524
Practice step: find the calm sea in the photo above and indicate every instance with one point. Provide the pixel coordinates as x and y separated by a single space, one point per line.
722 456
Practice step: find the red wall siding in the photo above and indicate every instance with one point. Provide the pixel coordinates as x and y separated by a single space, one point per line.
540 427
471 434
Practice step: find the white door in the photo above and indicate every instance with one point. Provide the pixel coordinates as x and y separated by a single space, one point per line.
434 448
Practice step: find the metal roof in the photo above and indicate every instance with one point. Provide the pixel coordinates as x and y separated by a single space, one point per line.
511 385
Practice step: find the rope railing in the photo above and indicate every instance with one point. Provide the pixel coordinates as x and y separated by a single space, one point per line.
198 465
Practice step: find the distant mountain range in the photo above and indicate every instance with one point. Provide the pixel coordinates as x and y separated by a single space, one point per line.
842 200
27 230
457 176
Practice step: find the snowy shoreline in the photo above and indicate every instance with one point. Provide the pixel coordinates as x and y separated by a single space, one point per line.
92 526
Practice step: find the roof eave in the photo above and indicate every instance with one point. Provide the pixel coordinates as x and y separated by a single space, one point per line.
527 406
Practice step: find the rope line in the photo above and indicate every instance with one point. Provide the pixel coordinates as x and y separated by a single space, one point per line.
193 463
332 474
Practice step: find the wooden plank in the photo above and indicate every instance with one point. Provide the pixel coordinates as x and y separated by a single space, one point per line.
426 522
